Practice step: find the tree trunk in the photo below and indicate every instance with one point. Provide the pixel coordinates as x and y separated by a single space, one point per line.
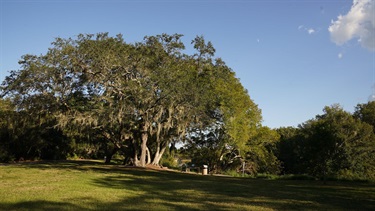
159 153
109 154
156 154
136 161
144 146
148 156
135 156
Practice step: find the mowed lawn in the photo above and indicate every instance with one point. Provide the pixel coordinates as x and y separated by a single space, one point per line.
91 185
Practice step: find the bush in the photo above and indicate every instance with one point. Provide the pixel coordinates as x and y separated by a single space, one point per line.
348 175
267 176
5 157
168 161
235 173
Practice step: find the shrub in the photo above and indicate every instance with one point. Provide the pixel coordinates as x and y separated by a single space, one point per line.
5 157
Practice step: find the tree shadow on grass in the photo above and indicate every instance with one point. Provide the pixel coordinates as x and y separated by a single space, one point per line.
163 190
212 193
39 205
75 165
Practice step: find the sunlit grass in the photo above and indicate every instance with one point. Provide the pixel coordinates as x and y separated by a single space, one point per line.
90 185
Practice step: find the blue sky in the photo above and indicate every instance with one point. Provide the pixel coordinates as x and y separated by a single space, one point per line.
293 56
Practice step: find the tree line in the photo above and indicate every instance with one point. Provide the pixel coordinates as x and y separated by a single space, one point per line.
98 96
336 144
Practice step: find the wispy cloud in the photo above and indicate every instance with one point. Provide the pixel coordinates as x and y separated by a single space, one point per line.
359 23
306 29
340 55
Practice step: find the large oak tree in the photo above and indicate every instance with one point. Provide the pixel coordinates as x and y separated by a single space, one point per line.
137 97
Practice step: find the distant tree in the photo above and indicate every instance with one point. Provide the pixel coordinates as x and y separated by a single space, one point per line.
6 114
261 151
366 113
290 150
337 143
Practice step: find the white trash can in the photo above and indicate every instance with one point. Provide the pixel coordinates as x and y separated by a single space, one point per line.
205 170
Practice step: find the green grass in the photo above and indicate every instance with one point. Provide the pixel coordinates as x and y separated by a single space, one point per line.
90 185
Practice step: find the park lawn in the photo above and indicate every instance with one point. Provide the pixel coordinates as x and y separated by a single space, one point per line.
91 185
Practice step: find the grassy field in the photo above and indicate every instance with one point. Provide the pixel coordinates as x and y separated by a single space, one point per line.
90 185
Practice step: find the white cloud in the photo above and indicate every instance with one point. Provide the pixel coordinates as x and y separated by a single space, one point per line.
358 23
308 30
339 55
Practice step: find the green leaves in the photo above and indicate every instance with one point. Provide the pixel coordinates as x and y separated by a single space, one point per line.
204 49
366 113
147 93
334 144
